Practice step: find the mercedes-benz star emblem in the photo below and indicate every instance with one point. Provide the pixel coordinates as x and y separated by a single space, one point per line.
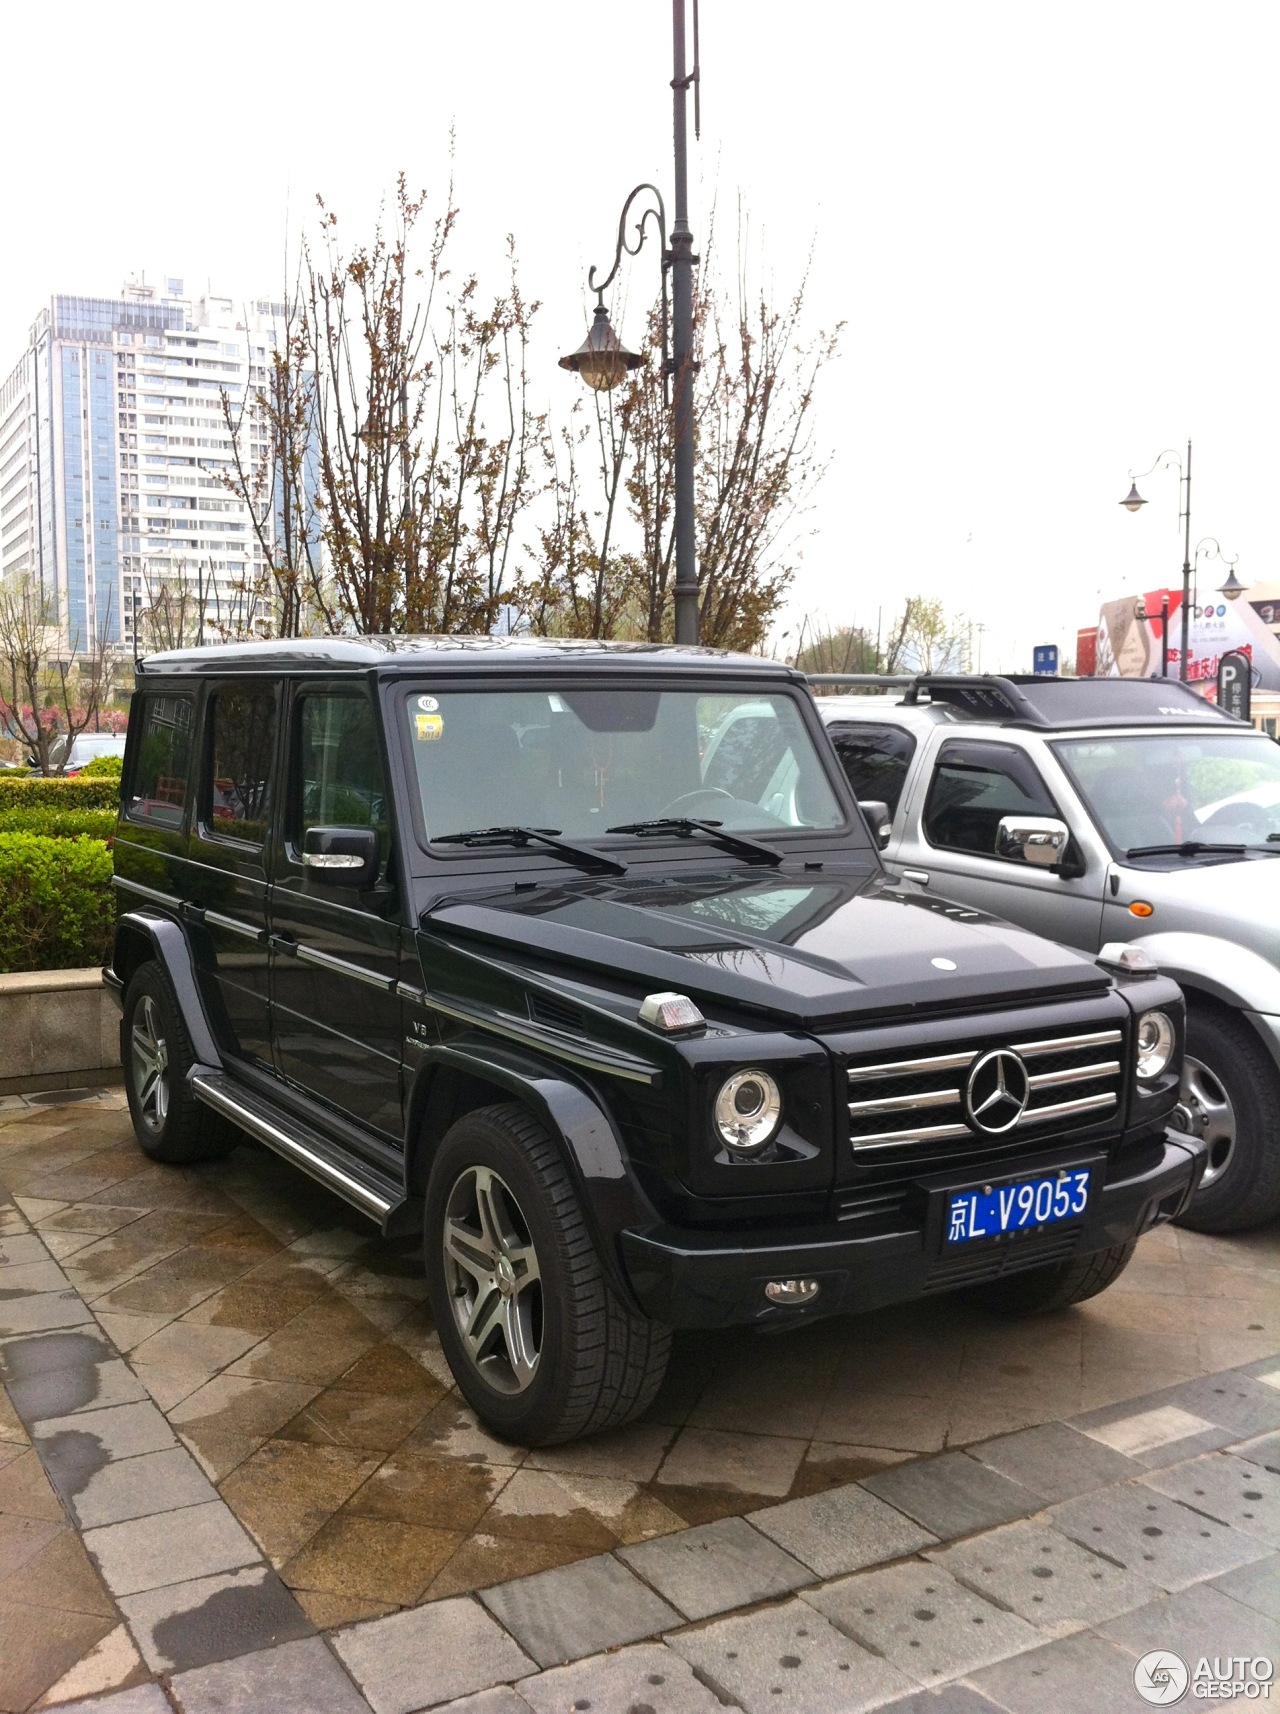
997 1091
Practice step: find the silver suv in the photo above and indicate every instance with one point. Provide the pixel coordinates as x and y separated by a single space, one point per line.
1096 811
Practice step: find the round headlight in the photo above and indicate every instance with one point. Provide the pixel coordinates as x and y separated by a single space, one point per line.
1156 1043
747 1110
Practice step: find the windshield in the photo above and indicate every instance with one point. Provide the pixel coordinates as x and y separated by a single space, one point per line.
1172 789
580 762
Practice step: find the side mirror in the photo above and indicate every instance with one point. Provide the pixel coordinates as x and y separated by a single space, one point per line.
342 856
878 819
1040 840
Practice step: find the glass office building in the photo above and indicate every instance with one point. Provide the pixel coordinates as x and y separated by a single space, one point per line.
115 448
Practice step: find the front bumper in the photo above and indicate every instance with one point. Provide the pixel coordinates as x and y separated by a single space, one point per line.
714 1279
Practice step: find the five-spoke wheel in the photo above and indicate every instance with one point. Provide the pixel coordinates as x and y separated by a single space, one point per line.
495 1282
542 1342
149 1064
155 1050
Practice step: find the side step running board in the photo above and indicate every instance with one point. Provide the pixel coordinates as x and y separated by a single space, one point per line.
374 1193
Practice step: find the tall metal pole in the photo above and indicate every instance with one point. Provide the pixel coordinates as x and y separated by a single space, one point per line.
1186 575
682 261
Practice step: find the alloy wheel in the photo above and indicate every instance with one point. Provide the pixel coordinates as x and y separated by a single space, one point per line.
494 1280
1205 1110
150 1064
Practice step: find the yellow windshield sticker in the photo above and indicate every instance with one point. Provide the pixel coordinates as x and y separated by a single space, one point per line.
428 726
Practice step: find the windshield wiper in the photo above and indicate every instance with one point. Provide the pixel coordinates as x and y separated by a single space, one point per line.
682 826
582 855
1193 848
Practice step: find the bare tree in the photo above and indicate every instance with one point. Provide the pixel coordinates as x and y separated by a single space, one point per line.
187 607
927 639
285 592
848 649
48 692
756 469
414 401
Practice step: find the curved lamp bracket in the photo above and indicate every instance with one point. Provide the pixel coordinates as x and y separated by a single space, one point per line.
1170 458
625 247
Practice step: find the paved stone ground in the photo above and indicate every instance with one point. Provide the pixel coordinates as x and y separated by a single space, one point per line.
234 1476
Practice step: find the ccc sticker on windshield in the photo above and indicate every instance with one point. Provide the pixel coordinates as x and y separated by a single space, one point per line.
428 726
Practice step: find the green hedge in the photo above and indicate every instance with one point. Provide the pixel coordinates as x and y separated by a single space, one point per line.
55 823
77 793
56 906
103 768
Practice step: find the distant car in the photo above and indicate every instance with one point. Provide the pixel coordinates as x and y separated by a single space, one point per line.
85 748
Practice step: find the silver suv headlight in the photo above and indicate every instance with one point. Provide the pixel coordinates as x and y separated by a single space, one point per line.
1157 1042
747 1111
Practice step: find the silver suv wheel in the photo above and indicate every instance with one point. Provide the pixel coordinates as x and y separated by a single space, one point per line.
1205 1110
494 1280
150 1064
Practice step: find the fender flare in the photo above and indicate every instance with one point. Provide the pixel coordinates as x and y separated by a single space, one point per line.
1234 974
577 1120
172 952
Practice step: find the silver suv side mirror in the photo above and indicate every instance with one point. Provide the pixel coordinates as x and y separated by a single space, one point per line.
1040 840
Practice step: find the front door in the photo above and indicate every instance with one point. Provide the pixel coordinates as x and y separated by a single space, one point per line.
335 950
951 837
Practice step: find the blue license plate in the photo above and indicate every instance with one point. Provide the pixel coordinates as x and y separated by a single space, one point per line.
1017 1207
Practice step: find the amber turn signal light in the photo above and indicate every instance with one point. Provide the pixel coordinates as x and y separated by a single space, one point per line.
1140 908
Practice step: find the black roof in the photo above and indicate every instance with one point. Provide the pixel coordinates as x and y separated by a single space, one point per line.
413 654
1020 699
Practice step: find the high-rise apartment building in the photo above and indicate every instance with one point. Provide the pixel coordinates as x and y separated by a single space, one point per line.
115 451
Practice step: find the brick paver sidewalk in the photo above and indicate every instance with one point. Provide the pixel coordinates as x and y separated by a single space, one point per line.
203 1558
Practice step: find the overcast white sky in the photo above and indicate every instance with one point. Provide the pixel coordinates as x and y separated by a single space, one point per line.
1050 230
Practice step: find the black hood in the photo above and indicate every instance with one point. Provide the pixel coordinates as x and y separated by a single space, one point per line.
807 950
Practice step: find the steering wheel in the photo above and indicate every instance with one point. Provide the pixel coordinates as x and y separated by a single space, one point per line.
699 805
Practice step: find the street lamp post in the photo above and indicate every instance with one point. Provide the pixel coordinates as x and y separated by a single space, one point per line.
603 361
1133 502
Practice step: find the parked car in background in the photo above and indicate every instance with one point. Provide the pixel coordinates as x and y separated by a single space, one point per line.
86 747
579 961
1098 810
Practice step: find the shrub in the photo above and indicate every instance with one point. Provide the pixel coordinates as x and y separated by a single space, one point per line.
78 793
102 768
56 908
54 823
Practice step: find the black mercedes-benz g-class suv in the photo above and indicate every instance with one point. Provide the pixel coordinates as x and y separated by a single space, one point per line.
580 960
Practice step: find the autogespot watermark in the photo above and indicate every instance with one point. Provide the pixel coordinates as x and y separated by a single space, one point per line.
1163 1678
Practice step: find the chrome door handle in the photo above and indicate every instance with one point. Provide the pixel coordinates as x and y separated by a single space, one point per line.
916 875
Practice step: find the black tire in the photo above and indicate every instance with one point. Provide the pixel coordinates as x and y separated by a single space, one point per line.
1040 1290
171 1126
598 1363
1226 1061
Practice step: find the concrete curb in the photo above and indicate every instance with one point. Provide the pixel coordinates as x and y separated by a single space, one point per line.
59 1029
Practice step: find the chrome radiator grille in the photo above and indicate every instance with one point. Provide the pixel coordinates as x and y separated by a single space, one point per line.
902 1104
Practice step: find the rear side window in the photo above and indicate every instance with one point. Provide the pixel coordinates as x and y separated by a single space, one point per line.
242 753
875 760
159 787
973 786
